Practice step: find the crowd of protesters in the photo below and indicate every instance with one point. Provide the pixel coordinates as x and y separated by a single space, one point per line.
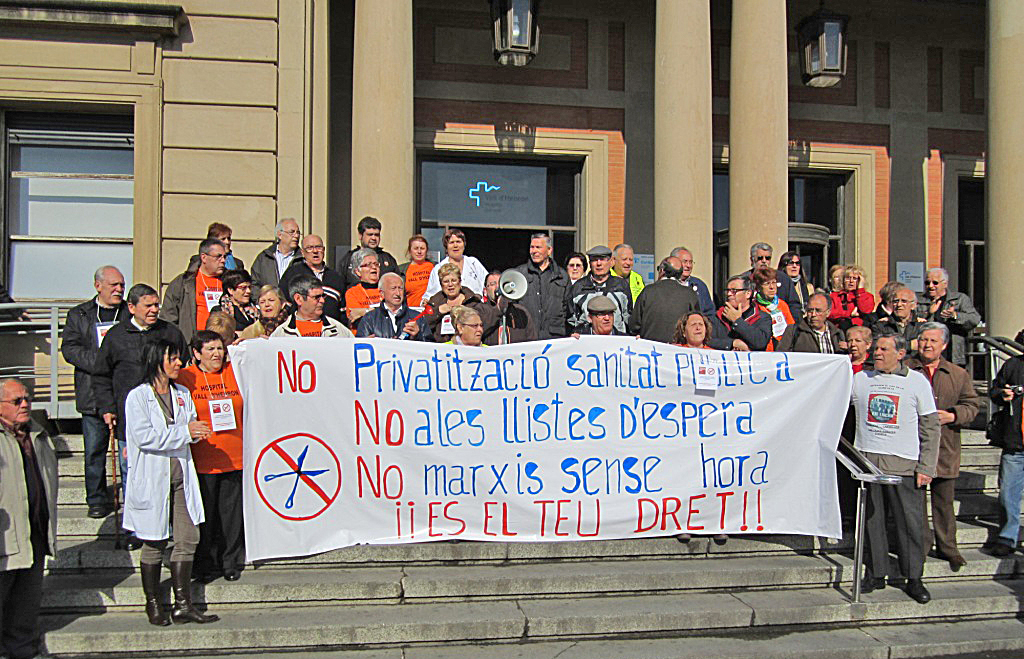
156 376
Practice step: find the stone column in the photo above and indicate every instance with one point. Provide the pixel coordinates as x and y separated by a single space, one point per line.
758 130
382 123
1005 162
682 131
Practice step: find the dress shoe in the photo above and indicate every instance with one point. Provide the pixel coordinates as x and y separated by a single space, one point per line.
956 562
232 575
721 538
132 542
683 537
99 512
1000 550
915 588
870 584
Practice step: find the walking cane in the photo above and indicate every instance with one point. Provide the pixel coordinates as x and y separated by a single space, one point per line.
114 464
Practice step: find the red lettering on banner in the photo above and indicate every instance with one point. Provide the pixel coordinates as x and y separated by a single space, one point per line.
504 519
390 437
559 517
431 516
579 520
640 515
378 481
723 496
691 511
295 375
543 514
453 519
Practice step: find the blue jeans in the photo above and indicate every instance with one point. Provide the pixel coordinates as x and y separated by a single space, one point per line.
96 437
1011 483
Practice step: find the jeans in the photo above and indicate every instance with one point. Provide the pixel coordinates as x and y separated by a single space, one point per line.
1011 482
97 442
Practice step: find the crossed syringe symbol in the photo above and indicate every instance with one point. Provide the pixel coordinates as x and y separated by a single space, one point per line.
299 474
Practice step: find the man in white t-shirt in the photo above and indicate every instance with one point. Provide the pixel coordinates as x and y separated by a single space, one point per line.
898 431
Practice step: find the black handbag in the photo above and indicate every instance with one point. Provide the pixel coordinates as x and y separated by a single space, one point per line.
997 427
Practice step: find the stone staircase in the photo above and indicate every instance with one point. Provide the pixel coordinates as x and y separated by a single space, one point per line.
753 596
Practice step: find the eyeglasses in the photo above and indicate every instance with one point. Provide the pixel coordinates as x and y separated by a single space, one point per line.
734 291
218 257
374 264
794 262
575 265
314 248
763 258
933 283
473 325
316 297
813 310
19 400
292 232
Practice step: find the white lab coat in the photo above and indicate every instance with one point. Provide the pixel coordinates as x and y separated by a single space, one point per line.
152 444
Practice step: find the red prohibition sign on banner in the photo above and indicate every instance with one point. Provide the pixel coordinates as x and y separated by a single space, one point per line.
298 479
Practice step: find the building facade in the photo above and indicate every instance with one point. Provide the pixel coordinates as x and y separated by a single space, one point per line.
128 128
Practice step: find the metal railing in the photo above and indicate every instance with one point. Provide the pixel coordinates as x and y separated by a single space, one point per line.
864 472
45 319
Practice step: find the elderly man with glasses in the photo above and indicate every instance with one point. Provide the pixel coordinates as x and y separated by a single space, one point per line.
308 297
600 281
953 309
902 320
271 263
814 332
312 264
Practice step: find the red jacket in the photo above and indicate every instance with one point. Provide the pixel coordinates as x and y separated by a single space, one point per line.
844 302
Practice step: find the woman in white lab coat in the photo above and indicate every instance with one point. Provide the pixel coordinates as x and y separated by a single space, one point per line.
161 423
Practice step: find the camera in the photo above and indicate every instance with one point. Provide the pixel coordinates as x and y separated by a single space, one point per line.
1017 389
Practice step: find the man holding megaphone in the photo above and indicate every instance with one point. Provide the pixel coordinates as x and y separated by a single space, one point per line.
503 290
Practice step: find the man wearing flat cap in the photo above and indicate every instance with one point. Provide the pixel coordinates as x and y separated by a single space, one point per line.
601 315
600 282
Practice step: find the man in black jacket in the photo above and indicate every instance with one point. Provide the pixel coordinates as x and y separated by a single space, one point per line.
118 367
1006 391
599 281
369 236
84 331
392 318
660 305
312 264
546 284
740 325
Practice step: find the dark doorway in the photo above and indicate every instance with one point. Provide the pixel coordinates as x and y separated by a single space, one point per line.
971 240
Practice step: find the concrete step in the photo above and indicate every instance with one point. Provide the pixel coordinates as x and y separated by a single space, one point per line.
117 588
978 479
525 619
899 641
974 438
976 456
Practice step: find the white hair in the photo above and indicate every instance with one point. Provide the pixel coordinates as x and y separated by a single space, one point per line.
945 275
101 271
388 275
279 227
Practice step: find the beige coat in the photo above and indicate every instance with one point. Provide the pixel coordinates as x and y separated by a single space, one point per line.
15 531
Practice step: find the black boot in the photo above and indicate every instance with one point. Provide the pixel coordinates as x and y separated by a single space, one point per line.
183 611
151 587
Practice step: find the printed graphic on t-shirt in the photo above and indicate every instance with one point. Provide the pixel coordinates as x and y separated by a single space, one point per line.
883 408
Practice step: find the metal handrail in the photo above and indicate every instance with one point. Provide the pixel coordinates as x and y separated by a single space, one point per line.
863 471
51 324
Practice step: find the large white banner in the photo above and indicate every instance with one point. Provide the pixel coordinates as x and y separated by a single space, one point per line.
383 441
